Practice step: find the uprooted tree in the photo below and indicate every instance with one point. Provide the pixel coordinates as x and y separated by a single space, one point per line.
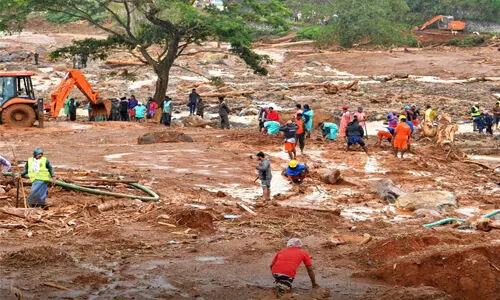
158 31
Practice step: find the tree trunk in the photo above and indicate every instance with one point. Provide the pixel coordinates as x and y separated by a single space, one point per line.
161 86
162 69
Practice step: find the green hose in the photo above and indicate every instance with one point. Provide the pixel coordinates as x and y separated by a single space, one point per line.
491 214
448 220
153 196
444 221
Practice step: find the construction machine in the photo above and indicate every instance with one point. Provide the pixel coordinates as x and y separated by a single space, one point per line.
18 105
445 23
62 91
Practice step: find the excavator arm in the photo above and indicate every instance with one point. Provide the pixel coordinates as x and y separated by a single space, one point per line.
72 78
432 21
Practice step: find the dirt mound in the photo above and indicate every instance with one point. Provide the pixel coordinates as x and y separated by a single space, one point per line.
164 137
36 256
397 246
196 219
409 293
466 272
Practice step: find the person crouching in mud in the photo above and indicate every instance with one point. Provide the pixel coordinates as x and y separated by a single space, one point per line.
285 264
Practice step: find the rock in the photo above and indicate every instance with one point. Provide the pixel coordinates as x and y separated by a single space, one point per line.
164 137
388 190
177 124
329 176
2 191
427 200
195 121
249 112
220 194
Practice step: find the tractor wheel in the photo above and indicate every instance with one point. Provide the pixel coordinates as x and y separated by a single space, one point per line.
18 115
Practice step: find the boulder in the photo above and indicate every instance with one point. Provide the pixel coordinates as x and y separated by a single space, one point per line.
427 200
164 137
329 176
249 112
387 190
195 121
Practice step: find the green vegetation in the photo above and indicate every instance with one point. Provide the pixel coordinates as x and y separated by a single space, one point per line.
171 25
470 10
467 42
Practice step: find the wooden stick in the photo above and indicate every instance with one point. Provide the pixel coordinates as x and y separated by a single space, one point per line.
54 285
20 178
247 208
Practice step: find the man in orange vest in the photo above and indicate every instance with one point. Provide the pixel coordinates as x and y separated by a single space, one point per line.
301 134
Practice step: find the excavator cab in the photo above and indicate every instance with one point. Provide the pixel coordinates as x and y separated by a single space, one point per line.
17 99
445 22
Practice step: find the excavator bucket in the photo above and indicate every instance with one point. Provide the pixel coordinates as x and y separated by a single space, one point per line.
101 109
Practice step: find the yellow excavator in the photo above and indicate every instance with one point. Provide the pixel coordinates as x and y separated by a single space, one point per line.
18 105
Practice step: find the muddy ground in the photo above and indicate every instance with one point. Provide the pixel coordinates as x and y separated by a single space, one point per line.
185 247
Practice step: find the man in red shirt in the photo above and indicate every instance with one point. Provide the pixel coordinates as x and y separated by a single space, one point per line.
272 115
286 262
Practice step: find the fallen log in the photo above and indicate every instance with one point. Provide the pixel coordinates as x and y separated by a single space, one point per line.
13 226
477 163
280 45
227 94
54 285
123 63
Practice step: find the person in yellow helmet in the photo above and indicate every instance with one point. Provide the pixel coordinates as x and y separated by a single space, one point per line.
40 172
475 113
296 172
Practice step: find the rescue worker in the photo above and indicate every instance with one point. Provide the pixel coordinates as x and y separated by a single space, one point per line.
140 112
290 132
66 108
344 121
479 122
5 164
285 264
132 103
416 112
151 108
496 114
299 109
73 104
475 112
40 172
265 175
271 127
192 101
362 117
167 108
402 135
355 135
200 108
329 131
223 114
124 109
296 172
37 57
430 114
115 110
272 115
262 117
385 133
488 123
393 120
300 133
307 115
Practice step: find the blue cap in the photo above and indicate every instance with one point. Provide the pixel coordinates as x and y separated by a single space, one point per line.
37 151
407 107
